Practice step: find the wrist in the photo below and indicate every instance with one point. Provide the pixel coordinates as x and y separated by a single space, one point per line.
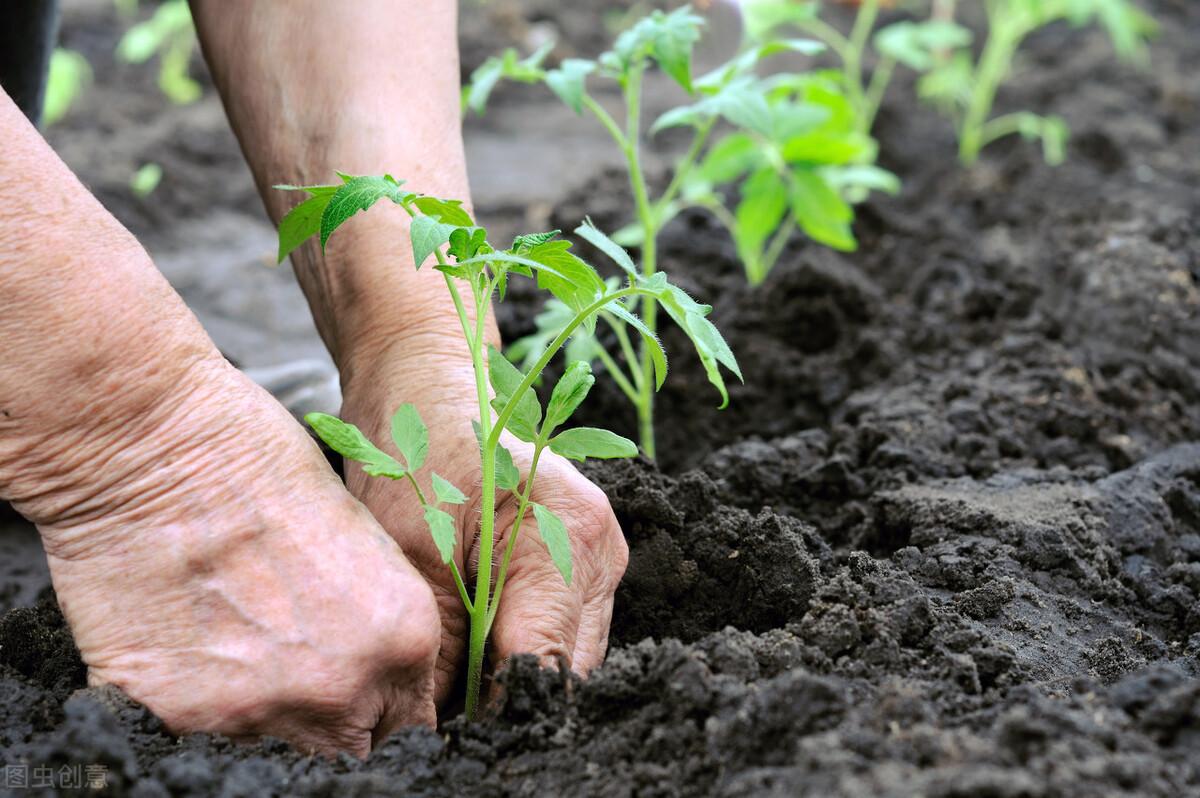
372 305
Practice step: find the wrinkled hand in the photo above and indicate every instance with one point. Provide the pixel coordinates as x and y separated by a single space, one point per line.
538 613
218 572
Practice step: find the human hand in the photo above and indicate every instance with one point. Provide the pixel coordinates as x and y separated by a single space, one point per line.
538 613
213 567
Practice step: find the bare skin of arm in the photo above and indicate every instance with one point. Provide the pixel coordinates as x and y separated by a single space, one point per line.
311 89
204 555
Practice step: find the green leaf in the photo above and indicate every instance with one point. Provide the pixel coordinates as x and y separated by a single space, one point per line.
69 74
496 68
761 17
763 206
466 242
553 533
445 491
916 44
572 388
445 211
596 237
729 159
709 344
568 278
483 82
411 436
530 240
569 81
666 38
584 442
301 223
673 42
506 379
359 194
427 235
441 527
821 212
348 441
508 477
856 180
827 146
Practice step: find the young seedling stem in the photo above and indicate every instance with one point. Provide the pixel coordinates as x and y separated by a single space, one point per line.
442 230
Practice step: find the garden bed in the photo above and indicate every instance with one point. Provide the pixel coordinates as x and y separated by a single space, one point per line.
945 541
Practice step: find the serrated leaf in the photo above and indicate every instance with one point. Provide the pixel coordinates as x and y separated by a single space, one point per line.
411 436
553 533
445 491
584 442
658 357
667 38
566 276
572 388
569 81
301 223
677 34
530 240
709 344
596 237
427 235
466 242
348 441
505 379
443 531
508 477
358 194
445 211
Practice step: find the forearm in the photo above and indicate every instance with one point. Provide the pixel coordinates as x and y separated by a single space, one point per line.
79 302
312 87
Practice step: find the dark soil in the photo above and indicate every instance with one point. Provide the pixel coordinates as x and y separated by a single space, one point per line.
944 542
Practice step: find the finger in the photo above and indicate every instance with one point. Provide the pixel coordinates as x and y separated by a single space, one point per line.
591 644
539 613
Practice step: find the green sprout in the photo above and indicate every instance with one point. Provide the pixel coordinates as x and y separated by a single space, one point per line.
170 34
965 88
70 73
788 143
474 273
939 49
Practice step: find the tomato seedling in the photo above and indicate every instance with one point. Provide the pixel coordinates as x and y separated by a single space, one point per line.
965 88
952 78
791 148
443 230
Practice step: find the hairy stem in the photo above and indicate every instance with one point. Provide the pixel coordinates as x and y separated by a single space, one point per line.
522 509
649 224
477 609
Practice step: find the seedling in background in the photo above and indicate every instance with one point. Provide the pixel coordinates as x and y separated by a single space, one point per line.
965 88
443 230
789 144
940 50
170 34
